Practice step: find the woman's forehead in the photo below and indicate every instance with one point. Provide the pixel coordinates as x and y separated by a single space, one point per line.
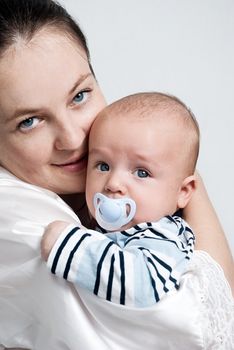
44 40
35 74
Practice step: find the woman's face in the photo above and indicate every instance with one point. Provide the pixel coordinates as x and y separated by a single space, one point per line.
48 101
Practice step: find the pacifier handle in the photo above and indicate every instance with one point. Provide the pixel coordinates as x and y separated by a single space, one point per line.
132 206
112 213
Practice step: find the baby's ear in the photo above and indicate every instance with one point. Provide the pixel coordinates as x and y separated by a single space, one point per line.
186 191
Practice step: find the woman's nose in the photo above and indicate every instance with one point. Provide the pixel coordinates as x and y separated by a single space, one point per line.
69 136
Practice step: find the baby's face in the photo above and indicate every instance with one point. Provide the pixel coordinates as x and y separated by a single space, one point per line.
136 158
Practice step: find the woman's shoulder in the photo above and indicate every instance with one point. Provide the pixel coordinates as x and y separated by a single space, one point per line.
209 273
21 201
8 180
214 301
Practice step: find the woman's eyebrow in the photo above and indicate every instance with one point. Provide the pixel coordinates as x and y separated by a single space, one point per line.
30 111
79 81
22 111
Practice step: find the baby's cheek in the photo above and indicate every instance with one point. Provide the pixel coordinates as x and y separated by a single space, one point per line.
90 205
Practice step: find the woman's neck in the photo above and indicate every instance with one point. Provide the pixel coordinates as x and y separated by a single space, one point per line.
75 201
78 203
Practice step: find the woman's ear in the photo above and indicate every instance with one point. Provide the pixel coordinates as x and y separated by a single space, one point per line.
186 191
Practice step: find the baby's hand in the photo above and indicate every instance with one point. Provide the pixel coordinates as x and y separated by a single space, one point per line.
52 232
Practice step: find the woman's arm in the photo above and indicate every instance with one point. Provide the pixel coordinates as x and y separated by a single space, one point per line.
32 303
201 216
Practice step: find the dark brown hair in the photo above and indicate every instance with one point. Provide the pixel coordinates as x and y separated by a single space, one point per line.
24 18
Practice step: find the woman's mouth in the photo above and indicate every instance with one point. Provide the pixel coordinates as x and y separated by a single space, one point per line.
74 165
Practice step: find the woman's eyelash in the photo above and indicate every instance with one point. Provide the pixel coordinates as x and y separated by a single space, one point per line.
81 96
28 123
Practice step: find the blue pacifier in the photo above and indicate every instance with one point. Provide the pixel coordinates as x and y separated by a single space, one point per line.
113 213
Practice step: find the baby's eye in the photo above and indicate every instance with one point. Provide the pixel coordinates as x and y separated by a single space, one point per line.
29 123
103 167
80 97
141 173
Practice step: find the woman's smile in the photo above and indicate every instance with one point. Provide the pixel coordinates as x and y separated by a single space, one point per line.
75 164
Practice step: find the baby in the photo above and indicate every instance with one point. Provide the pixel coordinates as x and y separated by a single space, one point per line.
143 150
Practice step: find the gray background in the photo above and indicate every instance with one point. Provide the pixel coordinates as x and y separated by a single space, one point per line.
184 47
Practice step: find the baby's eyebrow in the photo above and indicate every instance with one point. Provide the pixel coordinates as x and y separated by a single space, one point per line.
94 151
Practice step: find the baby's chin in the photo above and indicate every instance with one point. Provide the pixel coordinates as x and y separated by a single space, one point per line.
138 222
128 226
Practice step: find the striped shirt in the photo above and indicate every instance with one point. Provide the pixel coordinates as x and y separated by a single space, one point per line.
136 267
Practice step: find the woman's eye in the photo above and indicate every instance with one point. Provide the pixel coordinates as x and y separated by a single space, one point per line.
103 167
80 97
141 173
29 123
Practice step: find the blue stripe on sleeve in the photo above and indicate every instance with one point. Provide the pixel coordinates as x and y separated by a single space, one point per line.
60 249
69 260
99 267
122 278
110 279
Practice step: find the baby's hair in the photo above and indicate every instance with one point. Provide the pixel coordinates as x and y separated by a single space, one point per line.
160 105
23 19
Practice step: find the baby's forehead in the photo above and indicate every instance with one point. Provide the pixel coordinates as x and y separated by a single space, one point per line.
126 125
135 116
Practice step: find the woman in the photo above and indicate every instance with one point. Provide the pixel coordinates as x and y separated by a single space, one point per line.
48 100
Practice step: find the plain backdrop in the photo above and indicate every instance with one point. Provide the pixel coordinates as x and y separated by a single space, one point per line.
183 47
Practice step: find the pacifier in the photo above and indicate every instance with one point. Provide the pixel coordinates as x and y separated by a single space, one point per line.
113 213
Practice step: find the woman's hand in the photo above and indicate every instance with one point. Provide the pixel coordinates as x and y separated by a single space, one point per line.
52 232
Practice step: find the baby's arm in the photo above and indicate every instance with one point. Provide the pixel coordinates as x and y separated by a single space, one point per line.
51 234
92 260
